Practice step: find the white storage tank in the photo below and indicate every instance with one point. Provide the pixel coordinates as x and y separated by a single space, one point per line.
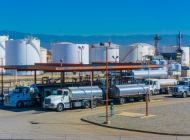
132 53
163 62
98 53
70 53
155 62
43 55
2 51
22 52
178 67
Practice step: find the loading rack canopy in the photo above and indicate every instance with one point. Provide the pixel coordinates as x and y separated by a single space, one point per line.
56 67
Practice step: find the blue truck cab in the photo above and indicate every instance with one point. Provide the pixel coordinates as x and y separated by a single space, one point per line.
182 88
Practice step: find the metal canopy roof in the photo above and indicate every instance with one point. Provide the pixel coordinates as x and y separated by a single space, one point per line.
55 67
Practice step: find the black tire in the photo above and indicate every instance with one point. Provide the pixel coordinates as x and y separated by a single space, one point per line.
144 98
121 101
174 96
184 95
94 104
136 99
87 104
20 104
59 107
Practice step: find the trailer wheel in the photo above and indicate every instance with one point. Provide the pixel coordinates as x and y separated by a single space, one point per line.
94 104
174 95
19 104
136 99
121 101
60 107
87 104
184 95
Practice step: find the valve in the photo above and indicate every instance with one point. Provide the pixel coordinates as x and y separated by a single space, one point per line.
112 109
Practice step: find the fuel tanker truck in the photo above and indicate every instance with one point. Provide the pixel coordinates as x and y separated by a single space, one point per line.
82 96
158 86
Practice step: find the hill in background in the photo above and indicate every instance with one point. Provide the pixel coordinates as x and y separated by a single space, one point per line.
45 40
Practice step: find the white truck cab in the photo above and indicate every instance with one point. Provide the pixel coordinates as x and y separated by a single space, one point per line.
57 99
154 85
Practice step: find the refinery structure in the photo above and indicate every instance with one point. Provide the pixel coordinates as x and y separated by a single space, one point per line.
177 57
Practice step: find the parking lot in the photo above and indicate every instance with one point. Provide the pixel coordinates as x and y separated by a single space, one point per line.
34 122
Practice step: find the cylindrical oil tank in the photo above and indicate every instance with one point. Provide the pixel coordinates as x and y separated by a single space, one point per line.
116 92
163 62
22 52
155 62
171 67
85 92
132 53
98 53
168 82
153 73
70 53
178 67
2 51
43 55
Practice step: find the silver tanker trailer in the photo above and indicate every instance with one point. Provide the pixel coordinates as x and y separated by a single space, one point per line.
132 91
81 96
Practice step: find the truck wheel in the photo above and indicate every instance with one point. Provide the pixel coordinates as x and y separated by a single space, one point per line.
87 104
94 104
136 99
121 101
151 93
184 95
60 107
20 104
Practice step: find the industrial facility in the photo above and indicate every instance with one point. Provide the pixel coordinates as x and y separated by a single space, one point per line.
177 57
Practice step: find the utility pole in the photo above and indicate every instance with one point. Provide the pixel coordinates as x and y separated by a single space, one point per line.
109 42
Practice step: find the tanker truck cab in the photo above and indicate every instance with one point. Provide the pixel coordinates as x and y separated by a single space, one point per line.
154 85
59 99
20 97
181 89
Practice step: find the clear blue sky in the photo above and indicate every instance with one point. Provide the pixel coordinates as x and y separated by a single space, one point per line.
96 17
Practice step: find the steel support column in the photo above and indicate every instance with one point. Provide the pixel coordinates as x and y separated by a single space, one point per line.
35 77
121 77
2 84
63 79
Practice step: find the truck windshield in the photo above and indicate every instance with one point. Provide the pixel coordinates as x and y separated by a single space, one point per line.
180 83
18 90
57 92
147 82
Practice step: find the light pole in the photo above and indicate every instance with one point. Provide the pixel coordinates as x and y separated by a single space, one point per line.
81 48
109 42
115 58
55 51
